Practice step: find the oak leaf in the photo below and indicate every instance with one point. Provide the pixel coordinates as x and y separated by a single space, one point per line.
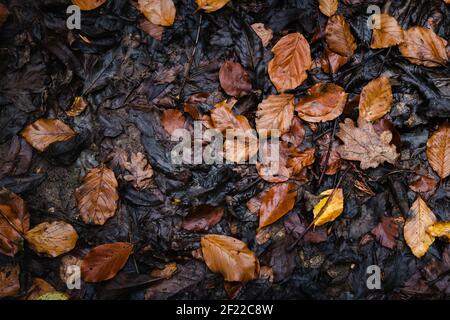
416 226
440 229
328 7
333 209
339 37
230 257
9 280
43 132
263 32
324 102
387 33
141 171
376 99
277 202
438 151
160 12
234 80
365 145
87 5
97 196
275 113
292 58
104 261
211 5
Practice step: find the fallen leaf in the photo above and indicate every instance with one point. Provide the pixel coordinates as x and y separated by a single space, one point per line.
167 272
104 261
424 185
66 271
334 207
97 196
376 99
338 36
9 280
87 5
234 80
386 232
277 202
78 106
331 62
324 102
275 113
416 226
422 46
43 132
292 58
440 229
296 133
328 7
211 5
54 296
300 160
384 124
141 171
388 34
153 30
263 32
334 159
52 238
365 145
202 218
160 12
172 119
230 257
192 104
438 151
39 288
17 158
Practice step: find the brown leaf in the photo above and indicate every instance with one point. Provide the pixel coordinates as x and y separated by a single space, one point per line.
193 102
167 272
333 209
387 34
78 106
39 288
211 5
424 47
52 239
296 133
328 7
438 151
292 58
331 62
141 171
153 30
339 38
300 160
425 185
376 99
160 12
202 218
324 102
104 261
230 257
275 113
254 204
43 132
234 80
416 226
9 280
17 157
263 32
4 13
97 196
440 229
386 232
14 222
172 119
334 159
365 145
87 5
277 202
65 268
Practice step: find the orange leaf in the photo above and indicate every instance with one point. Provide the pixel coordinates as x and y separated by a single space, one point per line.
104 261
97 196
330 62
160 12
87 5
275 113
172 119
230 257
43 132
211 5
277 201
300 160
388 34
234 80
324 102
328 7
438 151
292 58
376 99
339 38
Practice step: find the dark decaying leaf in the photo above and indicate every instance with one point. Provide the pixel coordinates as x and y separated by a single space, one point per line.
234 80
202 218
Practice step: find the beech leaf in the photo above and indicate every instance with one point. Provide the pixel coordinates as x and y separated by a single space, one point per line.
387 34
159 12
276 203
43 132
338 36
211 5
234 80
334 207
172 119
275 113
376 99
87 5
328 7
202 218
438 151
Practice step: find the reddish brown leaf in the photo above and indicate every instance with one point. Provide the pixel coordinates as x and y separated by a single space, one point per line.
438 151
331 62
104 261
172 119
272 165
277 201
296 133
234 80
386 232
202 218
191 106
384 124
17 157
43 132
334 159
232 289
339 37
9 280
300 160
328 7
4 13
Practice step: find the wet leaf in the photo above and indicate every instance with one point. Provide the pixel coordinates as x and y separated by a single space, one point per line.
78 106
202 218
160 12
365 145
272 162
211 5
376 99
328 7
275 113
87 5
292 58
52 238
234 80
230 257
141 171
339 37
300 160
172 119
387 34
9 280
324 102
334 159
440 229
97 196
104 261
416 226
424 47
43 132
4 13
263 32
331 62
438 151
386 232
276 203
334 207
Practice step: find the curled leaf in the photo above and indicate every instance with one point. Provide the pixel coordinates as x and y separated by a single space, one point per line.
78 106
275 113
43 132
376 99
159 12
334 207
388 34
277 201
234 80
339 38
438 151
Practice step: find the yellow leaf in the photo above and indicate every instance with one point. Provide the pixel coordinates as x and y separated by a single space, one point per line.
78 106
334 208
211 5
416 226
160 12
43 132
440 229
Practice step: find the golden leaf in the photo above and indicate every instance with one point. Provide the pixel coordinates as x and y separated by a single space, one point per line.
338 36
87 5
334 207
440 229
97 196
275 112
211 5
264 33
78 106
438 151
328 7
376 99
43 132
160 12
388 34
416 226
230 257
292 58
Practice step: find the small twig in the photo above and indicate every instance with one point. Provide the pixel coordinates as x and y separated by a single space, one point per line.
327 157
